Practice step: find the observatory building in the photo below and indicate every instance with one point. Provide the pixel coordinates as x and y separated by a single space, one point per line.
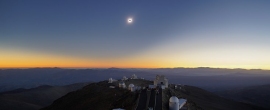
131 87
125 78
175 103
122 85
161 81
133 76
110 80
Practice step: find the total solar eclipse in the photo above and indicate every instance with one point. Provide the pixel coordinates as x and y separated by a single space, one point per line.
129 20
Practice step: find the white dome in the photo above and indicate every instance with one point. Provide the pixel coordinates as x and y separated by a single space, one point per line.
131 85
174 99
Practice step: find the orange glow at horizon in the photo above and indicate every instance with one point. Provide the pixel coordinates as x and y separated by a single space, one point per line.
24 59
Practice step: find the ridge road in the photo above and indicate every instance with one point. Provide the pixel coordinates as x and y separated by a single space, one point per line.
155 100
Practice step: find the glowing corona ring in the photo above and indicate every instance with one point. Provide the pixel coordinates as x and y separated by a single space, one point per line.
129 20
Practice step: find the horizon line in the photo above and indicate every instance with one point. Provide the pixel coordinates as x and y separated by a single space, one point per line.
131 68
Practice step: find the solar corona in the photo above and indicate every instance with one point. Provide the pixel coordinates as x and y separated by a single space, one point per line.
130 20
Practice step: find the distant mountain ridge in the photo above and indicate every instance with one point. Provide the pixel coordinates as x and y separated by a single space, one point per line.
11 79
35 98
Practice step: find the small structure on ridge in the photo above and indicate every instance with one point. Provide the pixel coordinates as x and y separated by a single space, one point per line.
161 81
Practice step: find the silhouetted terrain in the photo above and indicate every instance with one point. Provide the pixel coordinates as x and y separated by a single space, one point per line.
98 96
201 99
211 79
257 95
35 98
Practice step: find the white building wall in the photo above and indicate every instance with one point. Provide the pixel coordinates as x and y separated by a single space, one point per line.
111 80
133 89
122 85
161 80
133 76
173 106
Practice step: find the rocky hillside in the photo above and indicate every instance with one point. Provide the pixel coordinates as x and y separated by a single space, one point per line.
35 98
98 96
257 95
199 99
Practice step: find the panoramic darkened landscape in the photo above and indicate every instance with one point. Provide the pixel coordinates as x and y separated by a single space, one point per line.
134 55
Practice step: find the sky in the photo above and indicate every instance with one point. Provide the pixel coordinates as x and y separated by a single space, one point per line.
96 34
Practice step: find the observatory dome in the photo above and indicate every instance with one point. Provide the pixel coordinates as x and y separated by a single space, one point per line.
122 85
174 99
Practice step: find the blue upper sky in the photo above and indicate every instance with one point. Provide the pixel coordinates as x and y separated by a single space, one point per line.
171 31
